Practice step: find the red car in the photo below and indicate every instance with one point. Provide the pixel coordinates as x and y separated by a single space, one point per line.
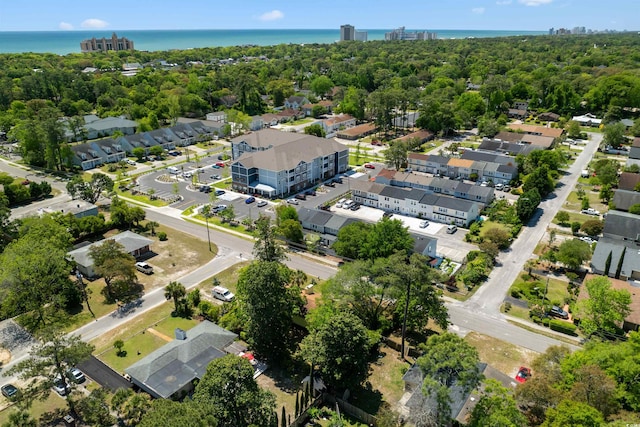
369 166
523 374
220 164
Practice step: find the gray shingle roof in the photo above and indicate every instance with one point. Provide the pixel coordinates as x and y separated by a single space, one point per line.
454 203
179 362
622 224
130 240
288 155
624 199
268 137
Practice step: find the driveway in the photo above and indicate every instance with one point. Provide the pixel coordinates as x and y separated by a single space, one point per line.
103 375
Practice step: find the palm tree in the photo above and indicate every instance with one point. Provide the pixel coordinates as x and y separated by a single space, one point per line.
298 278
152 225
175 291
206 212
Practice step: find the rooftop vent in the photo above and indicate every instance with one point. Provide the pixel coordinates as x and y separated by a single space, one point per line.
181 334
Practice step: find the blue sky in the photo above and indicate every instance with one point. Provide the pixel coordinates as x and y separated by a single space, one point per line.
68 15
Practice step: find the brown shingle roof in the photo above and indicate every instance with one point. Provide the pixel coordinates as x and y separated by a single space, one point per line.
422 135
359 130
539 130
628 181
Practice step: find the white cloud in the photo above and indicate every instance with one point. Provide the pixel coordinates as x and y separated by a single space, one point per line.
274 15
65 26
503 2
94 23
534 2
478 10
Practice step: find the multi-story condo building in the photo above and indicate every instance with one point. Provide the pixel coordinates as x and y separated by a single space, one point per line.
274 163
348 32
105 44
402 34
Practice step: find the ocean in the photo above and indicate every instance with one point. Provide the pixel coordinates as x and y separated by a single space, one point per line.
65 42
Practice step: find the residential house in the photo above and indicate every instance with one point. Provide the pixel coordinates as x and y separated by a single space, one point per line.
508 136
632 321
549 117
620 243
624 199
544 142
414 404
257 123
77 208
588 119
274 163
86 156
269 120
514 113
133 243
204 129
113 151
171 370
95 127
628 181
634 150
295 102
508 148
337 123
420 135
537 130
462 168
415 202
628 123
138 140
425 245
429 163
217 116
357 132
164 137
406 121
324 223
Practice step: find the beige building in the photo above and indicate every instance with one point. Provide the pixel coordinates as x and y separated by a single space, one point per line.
105 44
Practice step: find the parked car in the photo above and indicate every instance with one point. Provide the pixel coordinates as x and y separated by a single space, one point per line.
187 174
588 240
9 391
144 267
387 215
558 312
424 224
451 229
215 166
220 164
523 374
60 387
250 200
292 201
330 184
222 294
219 208
337 180
220 192
76 375
262 203
130 162
499 187
506 188
207 189
347 204
216 177
301 197
355 206
590 211
369 166
310 193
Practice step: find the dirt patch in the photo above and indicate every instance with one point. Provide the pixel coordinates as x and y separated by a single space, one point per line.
282 386
5 356
503 356
160 335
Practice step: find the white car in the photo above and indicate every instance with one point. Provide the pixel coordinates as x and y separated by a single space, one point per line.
424 224
588 240
59 386
590 211
130 162
292 201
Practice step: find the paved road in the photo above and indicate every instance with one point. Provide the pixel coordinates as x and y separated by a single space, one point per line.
489 297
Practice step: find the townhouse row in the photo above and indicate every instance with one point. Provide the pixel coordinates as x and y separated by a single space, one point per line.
471 165
415 202
90 155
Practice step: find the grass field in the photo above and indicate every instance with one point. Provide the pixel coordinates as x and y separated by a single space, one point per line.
52 403
228 278
505 357
556 291
138 341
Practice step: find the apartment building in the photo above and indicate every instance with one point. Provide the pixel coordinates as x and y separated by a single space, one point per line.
106 44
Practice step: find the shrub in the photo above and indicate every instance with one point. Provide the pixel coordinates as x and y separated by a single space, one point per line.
162 236
546 321
575 227
561 326
507 306
536 319
516 293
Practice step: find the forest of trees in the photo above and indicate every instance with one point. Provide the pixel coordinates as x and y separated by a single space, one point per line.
566 75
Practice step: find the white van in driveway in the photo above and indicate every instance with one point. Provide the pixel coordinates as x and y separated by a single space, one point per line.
173 170
451 229
222 294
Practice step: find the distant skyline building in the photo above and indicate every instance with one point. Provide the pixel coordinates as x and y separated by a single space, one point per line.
402 34
349 32
105 44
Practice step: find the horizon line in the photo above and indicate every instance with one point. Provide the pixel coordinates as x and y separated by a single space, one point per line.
263 29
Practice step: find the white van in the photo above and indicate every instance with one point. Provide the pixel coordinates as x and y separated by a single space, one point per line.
144 267
173 170
222 294
451 229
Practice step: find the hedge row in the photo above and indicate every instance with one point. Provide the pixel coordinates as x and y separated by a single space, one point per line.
564 327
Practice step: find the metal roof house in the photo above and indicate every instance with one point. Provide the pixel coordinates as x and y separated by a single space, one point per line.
172 368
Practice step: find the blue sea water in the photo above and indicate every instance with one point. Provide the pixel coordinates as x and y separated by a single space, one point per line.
64 42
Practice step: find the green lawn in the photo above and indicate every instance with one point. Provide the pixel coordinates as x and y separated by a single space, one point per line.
555 292
140 198
488 225
228 278
135 348
576 217
168 325
38 407
98 305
